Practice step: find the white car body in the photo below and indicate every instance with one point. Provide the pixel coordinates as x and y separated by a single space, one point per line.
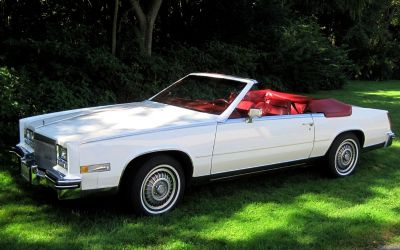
215 146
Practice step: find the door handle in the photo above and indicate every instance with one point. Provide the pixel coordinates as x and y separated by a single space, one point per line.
308 123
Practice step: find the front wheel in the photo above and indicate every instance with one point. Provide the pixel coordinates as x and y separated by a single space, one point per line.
343 155
157 186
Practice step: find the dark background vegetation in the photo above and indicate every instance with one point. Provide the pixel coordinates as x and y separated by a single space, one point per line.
56 55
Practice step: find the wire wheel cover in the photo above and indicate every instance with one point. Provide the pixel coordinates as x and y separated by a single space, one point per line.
346 156
160 189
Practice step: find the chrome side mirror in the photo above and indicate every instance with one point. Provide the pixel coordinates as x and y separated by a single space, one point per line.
252 114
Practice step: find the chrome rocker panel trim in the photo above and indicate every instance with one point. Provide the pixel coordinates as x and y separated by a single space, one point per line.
65 188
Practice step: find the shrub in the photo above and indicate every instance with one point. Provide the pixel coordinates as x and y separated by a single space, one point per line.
78 74
375 53
12 104
176 62
305 60
233 59
47 76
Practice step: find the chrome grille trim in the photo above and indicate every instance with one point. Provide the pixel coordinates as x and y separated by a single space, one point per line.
45 151
43 138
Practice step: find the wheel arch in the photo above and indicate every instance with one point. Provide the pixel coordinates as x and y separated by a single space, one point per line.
360 135
357 132
182 157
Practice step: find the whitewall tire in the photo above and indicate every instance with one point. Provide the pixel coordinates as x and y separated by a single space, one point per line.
343 155
157 186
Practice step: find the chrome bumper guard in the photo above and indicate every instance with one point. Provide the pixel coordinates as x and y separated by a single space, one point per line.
390 138
66 188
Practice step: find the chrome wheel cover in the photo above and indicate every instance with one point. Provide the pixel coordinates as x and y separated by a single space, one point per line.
346 157
160 189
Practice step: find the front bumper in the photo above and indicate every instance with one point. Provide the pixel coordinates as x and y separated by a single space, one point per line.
390 138
67 188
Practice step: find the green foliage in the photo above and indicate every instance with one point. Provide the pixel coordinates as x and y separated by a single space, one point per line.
178 61
216 57
12 104
49 76
374 50
233 59
305 60
90 75
368 29
9 90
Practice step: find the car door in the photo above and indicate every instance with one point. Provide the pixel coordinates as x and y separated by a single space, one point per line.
267 140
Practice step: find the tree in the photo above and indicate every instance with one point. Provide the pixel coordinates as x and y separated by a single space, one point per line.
114 28
145 23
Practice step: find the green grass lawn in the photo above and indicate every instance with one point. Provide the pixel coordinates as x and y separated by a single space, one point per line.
291 209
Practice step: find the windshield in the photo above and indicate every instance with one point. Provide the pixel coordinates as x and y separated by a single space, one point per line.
201 93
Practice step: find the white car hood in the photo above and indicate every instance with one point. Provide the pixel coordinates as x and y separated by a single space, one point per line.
116 120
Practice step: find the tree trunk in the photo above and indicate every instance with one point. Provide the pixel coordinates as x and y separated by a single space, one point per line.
148 39
145 24
114 28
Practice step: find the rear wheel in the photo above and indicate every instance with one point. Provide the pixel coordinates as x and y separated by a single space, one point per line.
343 155
156 187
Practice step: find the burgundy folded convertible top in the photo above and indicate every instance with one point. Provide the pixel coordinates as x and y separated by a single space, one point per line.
330 107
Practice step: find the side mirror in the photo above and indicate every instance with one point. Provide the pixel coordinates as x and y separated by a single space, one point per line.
252 114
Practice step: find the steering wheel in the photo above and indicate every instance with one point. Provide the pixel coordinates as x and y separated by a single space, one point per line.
232 97
221 102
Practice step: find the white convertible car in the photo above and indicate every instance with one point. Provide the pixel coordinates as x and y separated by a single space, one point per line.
203 127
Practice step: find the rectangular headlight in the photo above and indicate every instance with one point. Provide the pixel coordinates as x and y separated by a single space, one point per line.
62 156
29 136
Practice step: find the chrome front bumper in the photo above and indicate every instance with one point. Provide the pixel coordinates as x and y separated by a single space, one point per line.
66 188
390 138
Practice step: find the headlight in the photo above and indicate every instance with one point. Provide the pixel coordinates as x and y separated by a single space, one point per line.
29 136
62 156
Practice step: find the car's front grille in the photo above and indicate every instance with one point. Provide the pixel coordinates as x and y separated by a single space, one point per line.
45 151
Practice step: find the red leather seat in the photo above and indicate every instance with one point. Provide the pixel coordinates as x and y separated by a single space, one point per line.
279 107
242 109
297 108
275 95
273 103
274 107
245 105
277 111
255 95
264 107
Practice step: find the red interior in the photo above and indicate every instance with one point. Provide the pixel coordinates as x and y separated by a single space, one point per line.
216 107
271 103
279 103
